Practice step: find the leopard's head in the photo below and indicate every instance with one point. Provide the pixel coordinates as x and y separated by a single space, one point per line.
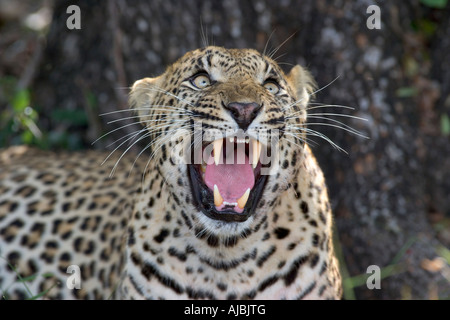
226 130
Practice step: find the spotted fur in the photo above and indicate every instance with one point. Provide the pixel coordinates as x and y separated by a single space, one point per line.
147 239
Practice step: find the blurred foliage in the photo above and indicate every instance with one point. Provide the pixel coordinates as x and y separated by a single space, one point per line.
445 125
19 121
437 4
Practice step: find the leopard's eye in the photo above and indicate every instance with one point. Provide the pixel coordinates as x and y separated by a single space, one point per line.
272 86
201 81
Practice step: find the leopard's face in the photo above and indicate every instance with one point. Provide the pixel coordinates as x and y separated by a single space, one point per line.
227 130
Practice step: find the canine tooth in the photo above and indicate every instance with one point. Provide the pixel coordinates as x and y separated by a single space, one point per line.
256 152
217 147
243 200
218 200
247 140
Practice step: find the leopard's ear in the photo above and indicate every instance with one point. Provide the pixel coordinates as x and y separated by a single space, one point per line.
302 83
144 94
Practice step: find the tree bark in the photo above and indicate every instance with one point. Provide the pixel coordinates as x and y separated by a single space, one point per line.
385 192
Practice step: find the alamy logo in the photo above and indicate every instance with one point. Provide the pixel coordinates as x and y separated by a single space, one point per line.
373 281
374 21
74 20
74 280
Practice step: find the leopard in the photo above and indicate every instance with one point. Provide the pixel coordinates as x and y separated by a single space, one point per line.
224 200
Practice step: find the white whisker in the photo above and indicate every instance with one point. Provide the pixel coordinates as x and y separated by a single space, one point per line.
114 130
150 115
351 130
315 133
337 115
128 134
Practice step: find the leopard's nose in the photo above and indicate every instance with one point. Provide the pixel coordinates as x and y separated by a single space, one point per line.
243 113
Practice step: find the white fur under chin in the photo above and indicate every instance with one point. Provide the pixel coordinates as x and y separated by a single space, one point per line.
223 228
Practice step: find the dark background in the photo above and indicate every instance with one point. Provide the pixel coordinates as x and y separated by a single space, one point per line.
390 194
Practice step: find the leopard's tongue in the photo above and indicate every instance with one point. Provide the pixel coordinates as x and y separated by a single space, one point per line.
232 180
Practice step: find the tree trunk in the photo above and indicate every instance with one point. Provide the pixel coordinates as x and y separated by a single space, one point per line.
385 192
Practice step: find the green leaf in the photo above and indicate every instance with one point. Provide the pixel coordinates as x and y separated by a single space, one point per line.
438 4
406 92
445 125
21 100
444 253
27 137
47 275
27 279
43 293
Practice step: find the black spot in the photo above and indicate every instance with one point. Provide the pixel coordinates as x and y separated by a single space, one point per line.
199 294
315 240
267 283
294 159
275 217
322 290
52 245
285 164
291 275
313 223
136 260
304 207
314 260
322 217
249 295
266 255
307 291
175 253
66 206
66 235
13 258
46 257
232 296
212 241
161 236
149 270
19 223
47 212
186 219
77 244
275 187
65 257
56 224
26 190
199 233
222 286
281 233
230 241
131 238
90 248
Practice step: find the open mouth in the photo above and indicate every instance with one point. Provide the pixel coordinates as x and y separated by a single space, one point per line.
227 185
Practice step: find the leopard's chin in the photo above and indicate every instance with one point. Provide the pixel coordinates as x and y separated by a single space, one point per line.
241 184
